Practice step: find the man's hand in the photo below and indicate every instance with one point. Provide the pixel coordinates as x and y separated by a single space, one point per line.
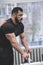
25 55
28 50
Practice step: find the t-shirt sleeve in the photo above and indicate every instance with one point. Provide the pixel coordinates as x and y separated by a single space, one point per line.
22 28
7 28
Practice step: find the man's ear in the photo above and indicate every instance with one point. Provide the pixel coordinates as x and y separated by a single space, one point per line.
14 14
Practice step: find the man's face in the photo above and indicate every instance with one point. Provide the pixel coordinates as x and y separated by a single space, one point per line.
19 16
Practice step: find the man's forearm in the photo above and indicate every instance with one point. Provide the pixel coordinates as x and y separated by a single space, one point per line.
25 43
17 47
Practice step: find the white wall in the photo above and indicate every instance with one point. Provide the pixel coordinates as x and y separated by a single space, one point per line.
15 1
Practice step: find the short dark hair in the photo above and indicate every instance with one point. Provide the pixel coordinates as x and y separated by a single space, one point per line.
16 9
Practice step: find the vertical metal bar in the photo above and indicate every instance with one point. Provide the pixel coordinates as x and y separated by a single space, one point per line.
32 54
35 54
17 57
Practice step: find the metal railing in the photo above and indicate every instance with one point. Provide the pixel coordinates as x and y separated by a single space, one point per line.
35 56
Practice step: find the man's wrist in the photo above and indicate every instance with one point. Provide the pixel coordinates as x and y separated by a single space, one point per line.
22 52
27 48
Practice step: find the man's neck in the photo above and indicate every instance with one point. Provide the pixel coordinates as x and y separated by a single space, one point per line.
13 20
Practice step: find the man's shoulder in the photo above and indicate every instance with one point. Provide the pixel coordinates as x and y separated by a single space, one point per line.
2 23
6 27
6 23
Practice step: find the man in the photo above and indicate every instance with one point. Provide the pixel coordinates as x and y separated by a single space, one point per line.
9 29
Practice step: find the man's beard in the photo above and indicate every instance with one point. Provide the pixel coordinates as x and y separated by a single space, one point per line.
17 21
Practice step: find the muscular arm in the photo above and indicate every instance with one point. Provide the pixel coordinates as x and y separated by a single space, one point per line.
8 32
24 40
11 37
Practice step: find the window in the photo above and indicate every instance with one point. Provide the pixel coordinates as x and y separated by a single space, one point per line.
33 21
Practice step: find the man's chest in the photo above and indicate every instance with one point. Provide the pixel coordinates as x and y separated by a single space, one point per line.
17 30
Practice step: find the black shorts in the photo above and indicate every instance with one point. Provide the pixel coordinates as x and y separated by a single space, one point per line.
6 58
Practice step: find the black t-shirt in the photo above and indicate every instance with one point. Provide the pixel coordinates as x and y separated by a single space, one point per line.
9 27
